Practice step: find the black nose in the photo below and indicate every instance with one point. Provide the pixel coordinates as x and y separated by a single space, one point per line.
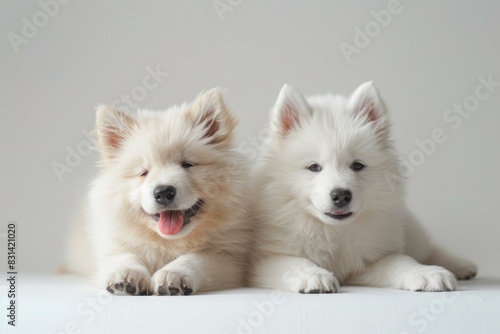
341 197
164 194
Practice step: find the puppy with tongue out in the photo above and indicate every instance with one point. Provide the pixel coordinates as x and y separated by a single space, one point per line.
166 212
171 222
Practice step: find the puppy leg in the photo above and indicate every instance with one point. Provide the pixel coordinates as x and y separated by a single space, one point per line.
403 272
194 272
123 275
295 274
462 268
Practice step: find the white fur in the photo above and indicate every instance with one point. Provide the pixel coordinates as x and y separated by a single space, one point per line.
118 242
299 247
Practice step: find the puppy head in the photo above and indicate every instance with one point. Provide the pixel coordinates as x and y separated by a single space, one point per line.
169 167
331 154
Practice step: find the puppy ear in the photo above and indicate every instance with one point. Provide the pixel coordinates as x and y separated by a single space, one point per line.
113 127
289 110
209 111
366 103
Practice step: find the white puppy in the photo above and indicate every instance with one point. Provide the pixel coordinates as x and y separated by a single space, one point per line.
165 214
329 203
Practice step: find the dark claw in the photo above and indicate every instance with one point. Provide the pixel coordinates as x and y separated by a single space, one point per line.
162 291
110 290
119 286
187 291
322 291
131 288
173 291
316 291
471 276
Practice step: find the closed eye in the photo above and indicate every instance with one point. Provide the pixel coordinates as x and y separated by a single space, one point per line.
187 164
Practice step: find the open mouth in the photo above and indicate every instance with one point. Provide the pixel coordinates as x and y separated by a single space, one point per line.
339 215
170 222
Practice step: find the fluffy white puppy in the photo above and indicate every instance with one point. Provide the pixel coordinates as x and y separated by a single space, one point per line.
329 203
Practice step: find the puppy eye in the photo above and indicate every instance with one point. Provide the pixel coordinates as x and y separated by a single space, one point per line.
144 173
357 166
187 164
314 168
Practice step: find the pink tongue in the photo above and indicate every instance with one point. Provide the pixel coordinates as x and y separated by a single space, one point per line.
171 222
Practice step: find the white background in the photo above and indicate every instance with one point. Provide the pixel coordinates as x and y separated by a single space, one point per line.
427 59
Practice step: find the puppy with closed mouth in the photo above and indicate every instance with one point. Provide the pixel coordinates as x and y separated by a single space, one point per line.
329 206
165 214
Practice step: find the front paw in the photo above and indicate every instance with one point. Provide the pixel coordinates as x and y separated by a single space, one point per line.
172 283
312 281
129 282
430 278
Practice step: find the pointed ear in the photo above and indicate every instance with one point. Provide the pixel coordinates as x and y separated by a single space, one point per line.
289 110
366 103
209 111
113 127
